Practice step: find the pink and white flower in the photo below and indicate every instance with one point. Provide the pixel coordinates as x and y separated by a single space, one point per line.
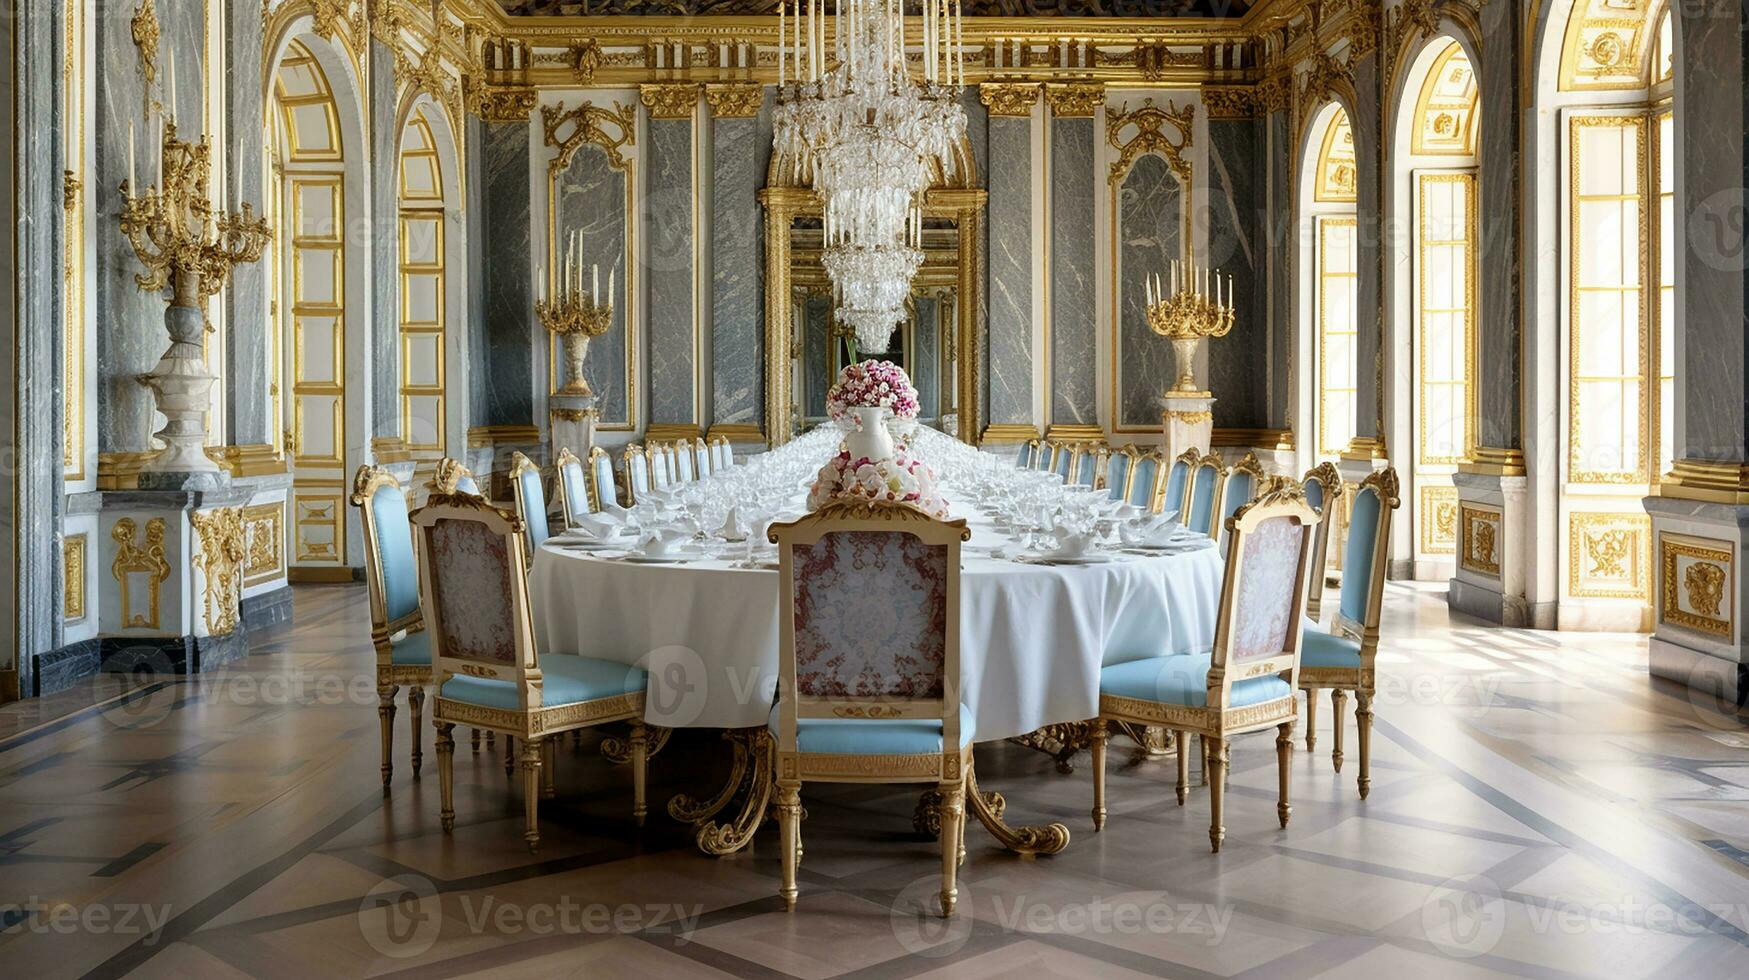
872 384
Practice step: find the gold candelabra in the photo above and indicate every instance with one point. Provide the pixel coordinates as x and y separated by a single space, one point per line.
576 318
1190 304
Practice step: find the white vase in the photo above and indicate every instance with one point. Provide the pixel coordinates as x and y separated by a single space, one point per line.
870 440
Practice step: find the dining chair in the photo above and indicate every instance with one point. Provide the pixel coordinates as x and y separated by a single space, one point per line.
397 627
637 474
1241 482
452 477
1043 450
1063 463
490 675
724 454
1090 465
1177 482
870 700
701 455
1119 464
661 468
1202 510
1342 659
1023 456
1144 480
682 456
531 500
1322 486
603 488
1246 682
574 497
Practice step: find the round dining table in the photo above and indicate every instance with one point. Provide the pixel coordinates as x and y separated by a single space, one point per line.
1034 633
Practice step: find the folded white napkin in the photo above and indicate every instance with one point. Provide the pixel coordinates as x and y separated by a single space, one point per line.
612 509
660 541
1073 544
732 529
594 525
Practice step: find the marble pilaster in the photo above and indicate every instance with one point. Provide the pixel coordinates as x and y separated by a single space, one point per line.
1150 234
1497 347
926 356
817 355
1009 225
1238 366
1074 321
737 271
385 352
1276 289
505 377
248 358
668 274
1369 354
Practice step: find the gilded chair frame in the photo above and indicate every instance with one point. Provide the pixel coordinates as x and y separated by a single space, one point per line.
567 506
1074 454
634 461
947 768
520 464
1247 466
533 724
1096 479
1329 480
1130 452
593 471
659 462
449 475
1362 680
1216 723
1040 453
1156 482
391 677
680 454
725 453
1209 461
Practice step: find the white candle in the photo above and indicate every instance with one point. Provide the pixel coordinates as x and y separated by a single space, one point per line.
133 184
595 282
170 92
610 271
780 26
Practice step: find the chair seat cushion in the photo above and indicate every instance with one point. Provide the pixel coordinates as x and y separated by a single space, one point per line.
1183 680
861 736
412 649
1321 649
566 679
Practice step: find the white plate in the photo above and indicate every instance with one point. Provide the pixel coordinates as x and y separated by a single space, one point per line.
1092 559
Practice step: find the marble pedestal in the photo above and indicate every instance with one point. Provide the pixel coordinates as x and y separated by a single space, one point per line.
1189 422
572 420
1699 594
1492 520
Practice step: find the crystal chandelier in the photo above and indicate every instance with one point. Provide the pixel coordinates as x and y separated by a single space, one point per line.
873 139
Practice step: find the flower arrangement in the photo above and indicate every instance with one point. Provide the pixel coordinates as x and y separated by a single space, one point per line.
872 384
900 477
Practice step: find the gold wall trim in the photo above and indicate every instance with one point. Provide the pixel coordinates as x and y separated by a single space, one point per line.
670 431
73 555
389 449
1076 99
1146 129
1697 584
1715 481
503 104
1009 98
143 560
1479 539
1608 555
318 574
737 432
588 125
264 528
666 101
224 550
1011 432
735 100
487 436
1232 101
1494 461
1076 433
1279 440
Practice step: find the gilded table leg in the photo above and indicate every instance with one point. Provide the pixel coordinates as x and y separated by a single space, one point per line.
1363 721
1284 756
721 839
1311 719
1154 741
688 810
1339 708
416 702
531 759
386 721
619 750
1048 839
446 774
1217 753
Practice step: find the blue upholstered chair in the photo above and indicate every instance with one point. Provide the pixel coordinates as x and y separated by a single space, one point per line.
661 466
1342 660
1178 483
490 676
603 489
1118 467
1089 466
681 454
1144 480
574 495
1239 484
1063 461
637 474
701 458
1041 455
1023 456
870 700
1203 508
1323 489
1246 683
397 627
453 477
531 500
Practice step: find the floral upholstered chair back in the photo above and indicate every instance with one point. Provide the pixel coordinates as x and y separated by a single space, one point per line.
1263 597
1205 491
602 489
637 473
531 500
872 630
1363 558
476 595
573 486
390 570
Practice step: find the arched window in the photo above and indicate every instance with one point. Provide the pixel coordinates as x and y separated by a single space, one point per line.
1334 275
422 289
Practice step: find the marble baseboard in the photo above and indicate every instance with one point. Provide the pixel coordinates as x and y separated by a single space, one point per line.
1489 605
267 609
172 654
59 669
1701 673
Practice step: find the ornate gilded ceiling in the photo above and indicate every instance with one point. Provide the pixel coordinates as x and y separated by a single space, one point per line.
977 8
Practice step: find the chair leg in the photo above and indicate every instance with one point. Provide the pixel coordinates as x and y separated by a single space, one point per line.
1182 741
1363 724
446 774
1202 745
416 702
1311 719
548 756
476 740
1217 789
1338 707
531 759
386 721
789 818
1284 757
1097 747
953 816
640 770
509 755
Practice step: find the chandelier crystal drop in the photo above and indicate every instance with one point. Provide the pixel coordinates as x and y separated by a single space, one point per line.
872 139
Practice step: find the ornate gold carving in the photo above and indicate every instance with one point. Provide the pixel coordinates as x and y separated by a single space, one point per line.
1075 99
73 576
585 60
1147 134
134 559
734 101
1439 520
264 531
1009 98
144 30
1230 101
572 414
1704 568
667 101
1478 534
1606 556
223 553
503 104
1189 417
428 75
587 122
1705 585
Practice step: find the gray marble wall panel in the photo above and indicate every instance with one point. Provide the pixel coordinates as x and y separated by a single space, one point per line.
1367 292
1239 362
1277 286
1074 318
503 233
926 357
1497 348
737 272
479 379
817 354
1009 224
246 298
978 132
668 265
592 199
1150 214
1714 400
385 353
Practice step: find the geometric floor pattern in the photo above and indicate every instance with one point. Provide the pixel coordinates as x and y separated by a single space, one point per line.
1540 808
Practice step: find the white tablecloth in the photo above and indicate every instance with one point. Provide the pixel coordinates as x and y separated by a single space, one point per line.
1032 637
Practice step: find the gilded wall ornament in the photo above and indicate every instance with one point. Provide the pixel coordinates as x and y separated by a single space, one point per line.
734 101
1230 101
1145 127
144 30
1704 583
263 526
589 124
1009 98
585 60
669 101
1696 573
1075 99
223 552
132 560
503 104
73 577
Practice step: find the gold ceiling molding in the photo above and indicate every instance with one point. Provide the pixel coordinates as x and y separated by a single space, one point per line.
1009 98
1146 126
1231 101
669 101
503 104
589 124
735 100
1075 99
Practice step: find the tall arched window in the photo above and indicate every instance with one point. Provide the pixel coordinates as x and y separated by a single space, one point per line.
422 290
1334 275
